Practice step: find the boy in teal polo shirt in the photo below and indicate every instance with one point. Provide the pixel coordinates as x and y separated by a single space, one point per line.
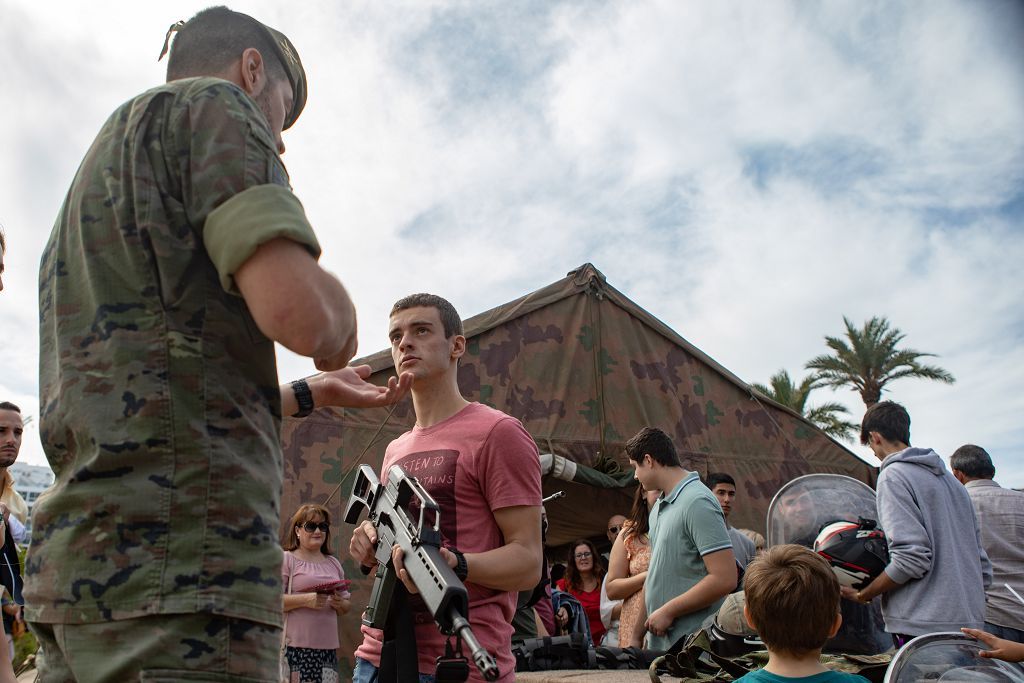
692 565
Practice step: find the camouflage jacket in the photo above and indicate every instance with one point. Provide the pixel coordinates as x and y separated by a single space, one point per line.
159 402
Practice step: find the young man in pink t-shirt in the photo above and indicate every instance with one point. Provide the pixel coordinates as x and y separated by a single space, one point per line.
482 468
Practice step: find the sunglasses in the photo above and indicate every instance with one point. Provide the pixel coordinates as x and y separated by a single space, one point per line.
310 527
614 529
583 556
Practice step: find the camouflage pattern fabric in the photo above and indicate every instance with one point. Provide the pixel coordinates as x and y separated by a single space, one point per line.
584 368
164 649
698 664
160 408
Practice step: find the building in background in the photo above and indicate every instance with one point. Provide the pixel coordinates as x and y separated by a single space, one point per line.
30 481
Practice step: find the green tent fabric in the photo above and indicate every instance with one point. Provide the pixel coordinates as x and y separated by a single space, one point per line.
584 368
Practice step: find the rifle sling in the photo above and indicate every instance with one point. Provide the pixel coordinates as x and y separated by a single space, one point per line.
398 660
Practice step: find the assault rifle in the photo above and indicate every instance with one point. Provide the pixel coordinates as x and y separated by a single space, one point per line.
442 591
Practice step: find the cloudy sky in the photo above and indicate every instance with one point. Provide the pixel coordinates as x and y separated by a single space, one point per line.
749 172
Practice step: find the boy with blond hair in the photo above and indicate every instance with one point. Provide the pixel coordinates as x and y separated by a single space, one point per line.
792 600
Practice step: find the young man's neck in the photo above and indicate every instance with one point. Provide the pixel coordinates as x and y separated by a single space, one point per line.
436 401
794 666
669 478
889 447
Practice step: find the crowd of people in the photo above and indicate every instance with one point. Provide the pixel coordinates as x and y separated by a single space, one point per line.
954 543
180 256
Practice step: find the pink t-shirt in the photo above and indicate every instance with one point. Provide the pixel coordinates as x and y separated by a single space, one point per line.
307 627
485 460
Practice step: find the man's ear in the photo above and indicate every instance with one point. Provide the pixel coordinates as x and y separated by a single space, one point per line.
458 346
960 476
253 71
835 626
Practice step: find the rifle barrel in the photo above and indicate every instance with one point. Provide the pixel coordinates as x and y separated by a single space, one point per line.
482 658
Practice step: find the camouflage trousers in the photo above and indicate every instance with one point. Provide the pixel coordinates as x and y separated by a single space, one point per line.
160 649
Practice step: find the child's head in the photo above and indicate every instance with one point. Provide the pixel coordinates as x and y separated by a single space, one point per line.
792 599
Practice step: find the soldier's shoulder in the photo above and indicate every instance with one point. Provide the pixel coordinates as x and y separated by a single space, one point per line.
206 88
216 94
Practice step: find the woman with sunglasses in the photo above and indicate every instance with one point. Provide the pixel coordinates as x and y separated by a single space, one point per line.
627 567
583 575
311 603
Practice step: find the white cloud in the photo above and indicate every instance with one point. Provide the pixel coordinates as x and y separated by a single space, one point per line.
749 172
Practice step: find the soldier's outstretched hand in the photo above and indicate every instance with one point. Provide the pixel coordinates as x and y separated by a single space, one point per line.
348 388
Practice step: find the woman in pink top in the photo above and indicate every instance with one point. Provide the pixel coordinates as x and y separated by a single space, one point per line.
314 597
627 567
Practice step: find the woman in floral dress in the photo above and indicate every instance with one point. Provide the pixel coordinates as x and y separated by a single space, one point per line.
627 567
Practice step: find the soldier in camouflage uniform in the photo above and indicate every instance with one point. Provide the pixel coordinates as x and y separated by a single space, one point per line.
180 255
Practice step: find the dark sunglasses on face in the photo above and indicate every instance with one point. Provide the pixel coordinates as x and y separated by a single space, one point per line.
310 527
583 555
614 529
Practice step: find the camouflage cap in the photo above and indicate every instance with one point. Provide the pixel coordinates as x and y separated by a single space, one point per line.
286 54
730 616
289 58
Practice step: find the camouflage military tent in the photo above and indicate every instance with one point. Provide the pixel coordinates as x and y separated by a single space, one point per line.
585 368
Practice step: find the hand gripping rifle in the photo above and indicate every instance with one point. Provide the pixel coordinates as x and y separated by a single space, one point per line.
442 591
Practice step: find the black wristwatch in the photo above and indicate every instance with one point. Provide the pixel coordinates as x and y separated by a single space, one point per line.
304 397
461 568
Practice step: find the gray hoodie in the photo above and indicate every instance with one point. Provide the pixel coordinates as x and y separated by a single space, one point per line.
934 547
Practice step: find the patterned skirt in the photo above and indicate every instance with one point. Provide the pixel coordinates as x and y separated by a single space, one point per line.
309 665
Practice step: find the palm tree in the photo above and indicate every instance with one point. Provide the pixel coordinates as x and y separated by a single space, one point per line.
868 359
826 416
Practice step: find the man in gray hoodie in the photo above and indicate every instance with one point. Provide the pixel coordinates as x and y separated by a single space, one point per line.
938 571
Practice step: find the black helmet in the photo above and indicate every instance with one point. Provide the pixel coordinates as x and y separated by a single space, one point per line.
857 551
728 631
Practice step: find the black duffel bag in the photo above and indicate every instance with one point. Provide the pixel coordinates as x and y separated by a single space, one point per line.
555 653
572 652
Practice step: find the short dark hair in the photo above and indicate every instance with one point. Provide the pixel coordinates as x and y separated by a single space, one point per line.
213 39
656 443
716 478
3 240
7 405
449 316
974 461
792 597
889 419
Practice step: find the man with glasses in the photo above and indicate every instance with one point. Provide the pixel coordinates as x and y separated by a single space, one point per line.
611 609
615 523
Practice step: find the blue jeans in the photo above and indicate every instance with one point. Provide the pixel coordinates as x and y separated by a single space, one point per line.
367 673
1005 632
